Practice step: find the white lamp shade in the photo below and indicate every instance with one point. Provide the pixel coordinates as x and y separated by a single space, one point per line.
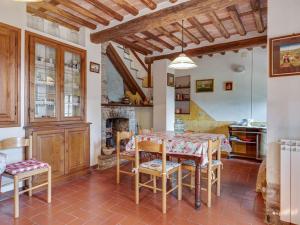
182 62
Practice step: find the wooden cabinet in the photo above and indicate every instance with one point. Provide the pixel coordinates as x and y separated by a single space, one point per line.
246 141
73 88
49 147
55 115
77 146
10 45
56 81
64 147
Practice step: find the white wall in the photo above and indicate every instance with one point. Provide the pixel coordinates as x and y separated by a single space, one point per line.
283 92
232 105
14 13
94 99
163 97
144 117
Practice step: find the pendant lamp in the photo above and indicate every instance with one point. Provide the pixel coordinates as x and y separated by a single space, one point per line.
182 62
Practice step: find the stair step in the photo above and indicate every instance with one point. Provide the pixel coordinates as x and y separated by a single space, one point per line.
129 59
134 69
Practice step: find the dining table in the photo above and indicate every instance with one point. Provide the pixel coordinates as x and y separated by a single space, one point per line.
187 146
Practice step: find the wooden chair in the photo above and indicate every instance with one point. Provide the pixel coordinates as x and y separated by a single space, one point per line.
156 168
208 170
129 156
25 170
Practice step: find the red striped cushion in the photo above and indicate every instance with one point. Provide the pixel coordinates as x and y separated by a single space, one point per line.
24 166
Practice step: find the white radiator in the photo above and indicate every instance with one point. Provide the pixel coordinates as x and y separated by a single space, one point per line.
290 181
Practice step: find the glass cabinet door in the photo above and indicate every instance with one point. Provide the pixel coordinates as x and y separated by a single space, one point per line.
45 81
72 84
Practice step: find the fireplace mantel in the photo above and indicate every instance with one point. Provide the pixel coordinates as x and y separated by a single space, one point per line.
123 105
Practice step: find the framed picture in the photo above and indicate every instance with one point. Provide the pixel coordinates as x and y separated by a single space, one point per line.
94 67
170 80
228 86
205 85
285 56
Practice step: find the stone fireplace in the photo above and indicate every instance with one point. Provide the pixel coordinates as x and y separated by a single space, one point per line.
113 125
113 119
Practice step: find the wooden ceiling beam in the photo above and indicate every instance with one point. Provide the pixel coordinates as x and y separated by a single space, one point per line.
158 39
255 5
171 36
136 47
145 43
224 19
44 7
196 24
187 33
233 13
230 46
218 24
105 9
162 17
44 15
127 6
139 59
83 11
150 4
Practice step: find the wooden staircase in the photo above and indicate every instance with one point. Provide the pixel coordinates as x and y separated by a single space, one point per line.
120 66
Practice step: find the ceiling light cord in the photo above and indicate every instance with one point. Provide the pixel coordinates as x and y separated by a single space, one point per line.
182 36
251 98
182 62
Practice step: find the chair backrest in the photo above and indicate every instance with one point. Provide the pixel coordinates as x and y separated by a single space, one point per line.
15 142
122 135
146 131
152 147
214 146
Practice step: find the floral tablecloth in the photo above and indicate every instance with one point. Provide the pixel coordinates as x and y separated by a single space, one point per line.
191 144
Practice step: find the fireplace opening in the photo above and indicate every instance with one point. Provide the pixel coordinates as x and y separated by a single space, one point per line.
113 125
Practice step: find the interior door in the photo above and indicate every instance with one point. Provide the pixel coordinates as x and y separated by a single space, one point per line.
9 75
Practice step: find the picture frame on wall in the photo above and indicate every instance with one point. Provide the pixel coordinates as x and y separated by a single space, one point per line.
228 86
170 80
94 67
284 55
205 85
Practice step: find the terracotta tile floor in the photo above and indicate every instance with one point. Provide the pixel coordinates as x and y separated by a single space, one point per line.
96 199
